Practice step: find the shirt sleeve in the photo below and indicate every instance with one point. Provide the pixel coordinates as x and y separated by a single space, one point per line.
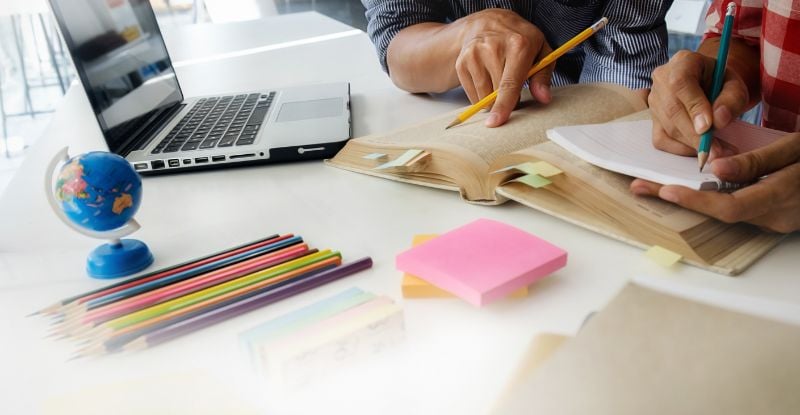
746 25
385 18
631 46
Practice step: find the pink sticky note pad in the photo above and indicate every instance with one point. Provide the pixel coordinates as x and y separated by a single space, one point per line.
482 261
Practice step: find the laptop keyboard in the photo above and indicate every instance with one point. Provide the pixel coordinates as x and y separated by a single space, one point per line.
218 122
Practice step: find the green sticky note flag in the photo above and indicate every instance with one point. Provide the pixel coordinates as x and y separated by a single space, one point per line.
533 180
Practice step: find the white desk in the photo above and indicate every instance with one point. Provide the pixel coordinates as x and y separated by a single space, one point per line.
455 358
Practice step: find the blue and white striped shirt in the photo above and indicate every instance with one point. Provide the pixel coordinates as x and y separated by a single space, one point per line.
633 43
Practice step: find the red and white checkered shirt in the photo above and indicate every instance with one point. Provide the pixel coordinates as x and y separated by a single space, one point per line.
774 25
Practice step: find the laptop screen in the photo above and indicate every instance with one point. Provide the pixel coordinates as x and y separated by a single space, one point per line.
121 58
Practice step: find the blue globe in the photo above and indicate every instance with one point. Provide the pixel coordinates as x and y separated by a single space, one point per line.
99 191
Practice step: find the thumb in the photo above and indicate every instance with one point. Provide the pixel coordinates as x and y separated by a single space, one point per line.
748 167
541 81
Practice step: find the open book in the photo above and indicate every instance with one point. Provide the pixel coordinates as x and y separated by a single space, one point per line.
475 161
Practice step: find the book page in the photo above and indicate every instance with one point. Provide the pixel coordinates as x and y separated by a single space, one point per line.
616 187
626 147
574 104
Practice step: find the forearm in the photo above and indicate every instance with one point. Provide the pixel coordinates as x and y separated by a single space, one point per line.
743 59
422 57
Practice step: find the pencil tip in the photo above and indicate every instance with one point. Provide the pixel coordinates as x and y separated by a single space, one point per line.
702 158
453 124
35 313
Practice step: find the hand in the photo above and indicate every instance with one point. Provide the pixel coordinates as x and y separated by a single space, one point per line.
679 106
499 48
772 203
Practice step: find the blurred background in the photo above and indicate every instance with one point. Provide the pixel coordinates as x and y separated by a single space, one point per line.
35 68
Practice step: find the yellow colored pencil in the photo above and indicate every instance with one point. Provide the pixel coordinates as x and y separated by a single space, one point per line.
549 59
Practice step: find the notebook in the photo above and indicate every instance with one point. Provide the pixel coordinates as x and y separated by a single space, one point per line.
626 147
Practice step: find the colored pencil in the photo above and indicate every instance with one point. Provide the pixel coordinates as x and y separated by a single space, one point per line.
195 284
187 300
221 314
155 275
79 329
219 264
549 59
109 341
704 148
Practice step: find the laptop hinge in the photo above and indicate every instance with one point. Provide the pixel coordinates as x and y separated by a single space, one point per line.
142 137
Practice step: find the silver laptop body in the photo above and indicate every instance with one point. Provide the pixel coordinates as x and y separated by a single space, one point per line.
125 69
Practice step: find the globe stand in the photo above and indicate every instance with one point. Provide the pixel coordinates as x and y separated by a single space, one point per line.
119 257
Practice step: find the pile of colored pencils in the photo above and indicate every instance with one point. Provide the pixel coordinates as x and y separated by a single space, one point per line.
150 309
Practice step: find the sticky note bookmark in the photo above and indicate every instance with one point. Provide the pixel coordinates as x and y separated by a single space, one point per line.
663 256
542 168
415 287
533 180
374 156
482 261
405 159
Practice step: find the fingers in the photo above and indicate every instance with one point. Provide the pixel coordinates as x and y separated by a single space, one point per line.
678 101
518 61
540 81
641 187
732 101
465 79
747 167
664 142
742 205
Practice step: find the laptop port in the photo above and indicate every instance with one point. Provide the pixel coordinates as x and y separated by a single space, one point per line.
140 166
174 163
187 161
157 164
217 158
242 156
200 160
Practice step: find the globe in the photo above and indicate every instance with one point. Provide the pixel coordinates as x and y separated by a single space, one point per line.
97 194
98 191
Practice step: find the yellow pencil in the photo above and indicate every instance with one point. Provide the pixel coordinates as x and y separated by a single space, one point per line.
566 47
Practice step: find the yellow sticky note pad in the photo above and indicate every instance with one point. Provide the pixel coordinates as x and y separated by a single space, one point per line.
533 180
415 287
663 256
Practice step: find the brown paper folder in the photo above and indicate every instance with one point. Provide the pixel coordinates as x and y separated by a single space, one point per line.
653 353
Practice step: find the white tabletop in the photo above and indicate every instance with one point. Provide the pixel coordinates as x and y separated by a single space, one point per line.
455 357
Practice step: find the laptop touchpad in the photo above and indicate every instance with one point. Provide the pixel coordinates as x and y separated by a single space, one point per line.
306 110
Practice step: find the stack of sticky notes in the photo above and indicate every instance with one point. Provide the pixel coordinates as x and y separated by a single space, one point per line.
482 261
302 345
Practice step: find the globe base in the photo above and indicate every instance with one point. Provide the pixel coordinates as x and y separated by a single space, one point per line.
127 257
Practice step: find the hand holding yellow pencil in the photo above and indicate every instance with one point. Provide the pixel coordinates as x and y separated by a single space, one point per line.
548 60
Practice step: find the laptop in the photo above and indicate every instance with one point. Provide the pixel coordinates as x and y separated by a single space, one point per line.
125 69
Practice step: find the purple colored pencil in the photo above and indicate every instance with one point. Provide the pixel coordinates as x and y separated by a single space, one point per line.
233 310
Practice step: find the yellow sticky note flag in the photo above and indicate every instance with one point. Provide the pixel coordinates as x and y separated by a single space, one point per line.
533 180
663 256
415 287
545 169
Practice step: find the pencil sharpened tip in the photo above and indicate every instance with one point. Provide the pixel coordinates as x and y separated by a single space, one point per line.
702 158
453 124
